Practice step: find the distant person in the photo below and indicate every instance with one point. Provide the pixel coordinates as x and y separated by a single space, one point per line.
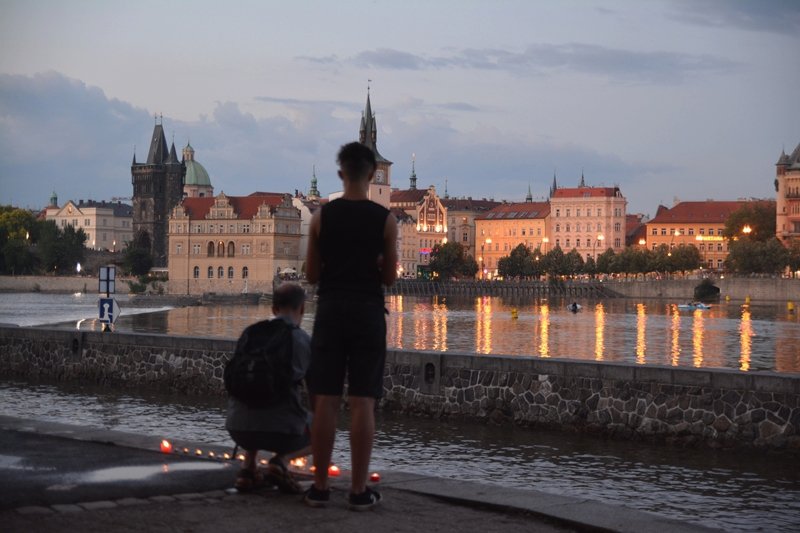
351 252
283 426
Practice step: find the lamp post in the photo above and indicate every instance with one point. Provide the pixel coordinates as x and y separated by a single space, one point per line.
484 243
702 248
600 239
114 246
545 241
747 230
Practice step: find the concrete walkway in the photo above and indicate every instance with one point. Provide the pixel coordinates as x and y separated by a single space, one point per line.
57 477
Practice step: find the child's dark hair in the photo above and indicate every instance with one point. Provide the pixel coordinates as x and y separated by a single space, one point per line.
288 295
356 161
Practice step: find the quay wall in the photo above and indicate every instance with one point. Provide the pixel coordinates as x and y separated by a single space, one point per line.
683 406
758 289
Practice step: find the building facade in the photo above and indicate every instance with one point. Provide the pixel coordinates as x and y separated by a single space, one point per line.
699 224
107 225
232 244
196 182
587 219
787 196
461 216
157 189
507 226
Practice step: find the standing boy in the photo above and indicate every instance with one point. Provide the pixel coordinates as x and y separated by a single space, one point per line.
282 428
351 253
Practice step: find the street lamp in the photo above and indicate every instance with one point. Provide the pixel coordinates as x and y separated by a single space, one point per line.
486 242
545 241
114 246
747 229
642 242
600 239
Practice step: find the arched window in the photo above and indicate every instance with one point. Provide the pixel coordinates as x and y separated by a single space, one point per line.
210 249
196 272
210 272
245 272
220 272
231 249
221 249
230 272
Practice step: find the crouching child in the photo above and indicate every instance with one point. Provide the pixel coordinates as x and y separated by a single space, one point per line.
264 380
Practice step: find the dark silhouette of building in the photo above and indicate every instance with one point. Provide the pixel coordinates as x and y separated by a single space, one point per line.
157 189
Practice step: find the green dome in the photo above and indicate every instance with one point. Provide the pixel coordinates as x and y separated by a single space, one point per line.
196 174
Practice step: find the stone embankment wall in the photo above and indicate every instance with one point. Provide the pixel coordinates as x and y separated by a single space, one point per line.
58 284
758 289
685 406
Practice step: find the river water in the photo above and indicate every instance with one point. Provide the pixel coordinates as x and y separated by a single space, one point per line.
729 490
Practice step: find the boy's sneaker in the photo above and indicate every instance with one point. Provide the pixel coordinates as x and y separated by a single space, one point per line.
364 501
315 497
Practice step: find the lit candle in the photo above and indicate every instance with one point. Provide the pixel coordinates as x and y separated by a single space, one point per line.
334 471
374 477
166 446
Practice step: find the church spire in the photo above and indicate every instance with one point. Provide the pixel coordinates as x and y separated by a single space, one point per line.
529 198
413 179
554 186
582 183
446 195
368 131
313 193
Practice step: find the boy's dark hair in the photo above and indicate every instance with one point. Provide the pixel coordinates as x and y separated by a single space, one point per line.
356 161
289 295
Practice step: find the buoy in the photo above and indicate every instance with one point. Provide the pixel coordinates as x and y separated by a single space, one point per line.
790 307
747 300
514 313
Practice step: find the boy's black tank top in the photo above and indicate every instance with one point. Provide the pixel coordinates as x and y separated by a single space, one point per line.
351 239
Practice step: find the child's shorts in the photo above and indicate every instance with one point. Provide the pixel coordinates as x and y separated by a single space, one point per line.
349 338
281 443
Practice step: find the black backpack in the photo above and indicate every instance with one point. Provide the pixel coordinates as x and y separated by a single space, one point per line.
260 371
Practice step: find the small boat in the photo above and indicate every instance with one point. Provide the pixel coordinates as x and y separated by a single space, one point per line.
692 306
574 307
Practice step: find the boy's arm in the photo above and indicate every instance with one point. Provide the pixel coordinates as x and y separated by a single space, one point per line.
313 257
389 270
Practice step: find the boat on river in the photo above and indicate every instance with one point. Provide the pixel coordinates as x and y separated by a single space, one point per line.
692 306
574 307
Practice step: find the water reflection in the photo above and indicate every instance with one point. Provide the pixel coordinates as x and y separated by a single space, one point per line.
764 337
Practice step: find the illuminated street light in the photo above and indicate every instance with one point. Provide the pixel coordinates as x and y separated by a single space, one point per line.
487 242
747 229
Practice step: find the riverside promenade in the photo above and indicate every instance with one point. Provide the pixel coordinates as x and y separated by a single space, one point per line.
58 477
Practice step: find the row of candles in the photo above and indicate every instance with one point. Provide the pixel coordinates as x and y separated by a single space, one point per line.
299 462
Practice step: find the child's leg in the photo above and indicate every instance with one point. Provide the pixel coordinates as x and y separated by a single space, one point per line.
323 433
362 432
250 459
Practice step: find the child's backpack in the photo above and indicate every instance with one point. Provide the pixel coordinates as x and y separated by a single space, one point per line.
260 371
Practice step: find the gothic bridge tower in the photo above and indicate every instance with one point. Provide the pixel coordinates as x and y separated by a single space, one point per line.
157 188
380 188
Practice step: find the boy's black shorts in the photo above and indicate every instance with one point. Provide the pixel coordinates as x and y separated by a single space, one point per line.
349 337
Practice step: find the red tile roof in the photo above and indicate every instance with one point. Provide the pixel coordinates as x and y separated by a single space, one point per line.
517 211
407 196
686 212
586 192
245 207
468 204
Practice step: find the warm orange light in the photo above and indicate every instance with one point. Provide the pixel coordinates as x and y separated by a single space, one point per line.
211 454
334 471
166 446
299 462
312 469
240 457
374 477
263 461
198 451
226 455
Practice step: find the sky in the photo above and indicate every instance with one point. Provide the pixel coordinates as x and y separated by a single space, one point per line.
668 100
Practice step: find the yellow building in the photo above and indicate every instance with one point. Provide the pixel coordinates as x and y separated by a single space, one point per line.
504 228
232 244
699 224
587 219
787 194
107 225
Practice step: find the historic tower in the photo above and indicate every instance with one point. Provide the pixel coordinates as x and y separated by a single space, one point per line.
380 188
157 188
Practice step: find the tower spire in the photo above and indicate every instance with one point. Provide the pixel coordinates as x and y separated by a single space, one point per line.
413 179
446 195
582 183
313 193
529 198
555 184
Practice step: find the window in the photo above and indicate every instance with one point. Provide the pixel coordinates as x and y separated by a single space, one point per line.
566 244
691 231
87 222
577 212
210 272
616 243
523 232
210 249
196 249
655 231
230 272
558 228
245 228
220 272
702 231
245 249
465 237
221 249
178 249
231 249
567 211
558 212
196 272
577 243
663 231
578 226
719 247
245 272
616 226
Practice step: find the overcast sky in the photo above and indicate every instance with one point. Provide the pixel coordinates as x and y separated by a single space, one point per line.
686 99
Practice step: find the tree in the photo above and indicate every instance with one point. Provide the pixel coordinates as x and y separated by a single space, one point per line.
449 260
573 263
556 264
605 262
747 256
685 258
137 261
517 264
60 250
759 216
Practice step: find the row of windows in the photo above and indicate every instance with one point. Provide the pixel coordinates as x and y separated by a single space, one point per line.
597 244
683 231
236 228
219 248
567 227
720 247
220 272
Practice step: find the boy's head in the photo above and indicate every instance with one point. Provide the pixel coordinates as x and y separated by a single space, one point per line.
356 162
289 300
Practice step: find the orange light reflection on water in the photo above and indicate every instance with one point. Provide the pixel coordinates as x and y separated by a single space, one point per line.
396 312
599 326
641 330
439 325
676 336
746 339
421 326
483 326
698 330
544 330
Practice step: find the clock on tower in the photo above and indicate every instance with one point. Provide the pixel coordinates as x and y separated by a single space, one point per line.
379 177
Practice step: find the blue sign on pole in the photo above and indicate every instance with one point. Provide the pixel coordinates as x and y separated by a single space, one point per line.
108 310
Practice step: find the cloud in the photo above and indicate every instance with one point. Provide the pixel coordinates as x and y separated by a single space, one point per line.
545 59
774 16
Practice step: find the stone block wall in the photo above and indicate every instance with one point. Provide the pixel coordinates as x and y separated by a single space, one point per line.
684 406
